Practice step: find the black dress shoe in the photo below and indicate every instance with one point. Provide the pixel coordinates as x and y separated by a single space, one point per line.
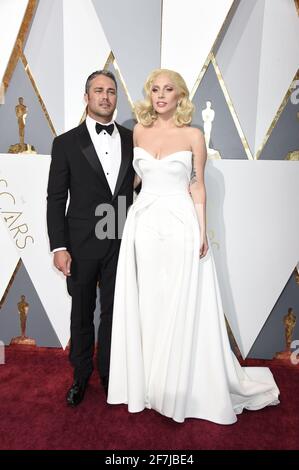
76 393
105 383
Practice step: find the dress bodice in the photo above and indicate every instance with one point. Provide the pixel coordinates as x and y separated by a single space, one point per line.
170 174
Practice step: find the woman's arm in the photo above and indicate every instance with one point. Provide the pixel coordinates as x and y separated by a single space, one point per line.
197 184
137 179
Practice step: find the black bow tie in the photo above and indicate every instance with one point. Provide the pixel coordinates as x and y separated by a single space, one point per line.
102 127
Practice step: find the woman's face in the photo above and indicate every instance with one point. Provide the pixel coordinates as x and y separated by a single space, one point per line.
164 95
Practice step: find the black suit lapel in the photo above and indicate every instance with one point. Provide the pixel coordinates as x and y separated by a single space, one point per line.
126 160
89 152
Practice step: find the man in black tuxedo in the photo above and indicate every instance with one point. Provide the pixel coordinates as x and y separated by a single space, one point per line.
92 164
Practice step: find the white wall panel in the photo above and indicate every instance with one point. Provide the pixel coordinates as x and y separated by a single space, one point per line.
279 61
189 30
85 50
28 178
258 58
9 253
44 51
253 213
11 16
66 43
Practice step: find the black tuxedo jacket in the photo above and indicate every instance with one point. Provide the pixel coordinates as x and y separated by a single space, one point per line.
76 172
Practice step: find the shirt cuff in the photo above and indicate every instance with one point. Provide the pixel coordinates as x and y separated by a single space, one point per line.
59 249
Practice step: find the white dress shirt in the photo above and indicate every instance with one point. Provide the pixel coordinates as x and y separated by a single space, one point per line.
108 149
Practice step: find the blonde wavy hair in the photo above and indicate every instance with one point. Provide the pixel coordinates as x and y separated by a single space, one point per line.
144 110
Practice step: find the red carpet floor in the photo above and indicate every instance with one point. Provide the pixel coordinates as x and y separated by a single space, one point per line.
33 413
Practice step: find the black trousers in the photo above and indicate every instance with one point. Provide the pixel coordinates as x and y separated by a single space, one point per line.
82 286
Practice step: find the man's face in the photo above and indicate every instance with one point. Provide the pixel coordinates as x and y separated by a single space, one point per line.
101 98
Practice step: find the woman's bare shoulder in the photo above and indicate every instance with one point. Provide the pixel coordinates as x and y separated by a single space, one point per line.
139 129
195 133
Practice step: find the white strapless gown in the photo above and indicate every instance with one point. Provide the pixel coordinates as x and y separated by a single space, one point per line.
170 350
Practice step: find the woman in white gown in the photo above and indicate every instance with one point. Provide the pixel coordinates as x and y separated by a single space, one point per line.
170 350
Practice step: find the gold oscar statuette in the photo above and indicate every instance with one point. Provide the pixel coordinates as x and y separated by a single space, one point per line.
21 114
289 321
23 308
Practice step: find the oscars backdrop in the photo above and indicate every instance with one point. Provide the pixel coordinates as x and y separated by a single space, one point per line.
240 61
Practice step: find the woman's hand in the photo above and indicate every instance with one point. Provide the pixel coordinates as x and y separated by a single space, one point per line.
203 247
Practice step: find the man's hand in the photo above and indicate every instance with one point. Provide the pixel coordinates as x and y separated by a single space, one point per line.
62 261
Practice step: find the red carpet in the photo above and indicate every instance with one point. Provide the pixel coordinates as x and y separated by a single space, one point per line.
34 415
